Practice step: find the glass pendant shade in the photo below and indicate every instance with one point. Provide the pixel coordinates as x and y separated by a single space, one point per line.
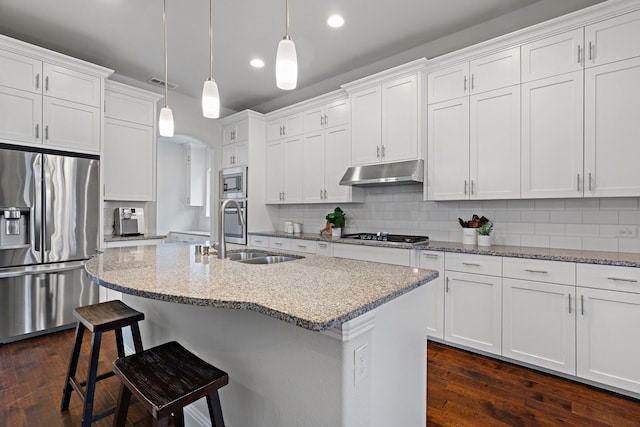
210 100
165 124
286 64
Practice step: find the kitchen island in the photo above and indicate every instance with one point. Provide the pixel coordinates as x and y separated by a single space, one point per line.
317 341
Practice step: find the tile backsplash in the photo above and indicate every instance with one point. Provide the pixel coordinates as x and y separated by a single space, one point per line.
609 224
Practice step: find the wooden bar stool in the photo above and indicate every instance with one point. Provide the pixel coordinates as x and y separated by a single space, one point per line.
98 318
165 379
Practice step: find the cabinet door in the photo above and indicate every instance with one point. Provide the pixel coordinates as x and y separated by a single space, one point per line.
435 289
538 324
551 56
495 144
129 108
314 119
20 116
450 83
228 154
336 162
242 131
313 159
338 113
71 126
552 137
613 40
128 161
448 171
495 71
366 136
20 72
242 153
275 130
293 125
612 129
292 167
608 325
473 315
274 175
400 119
62 83
228 133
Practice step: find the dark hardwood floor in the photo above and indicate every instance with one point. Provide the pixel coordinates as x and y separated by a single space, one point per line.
464 389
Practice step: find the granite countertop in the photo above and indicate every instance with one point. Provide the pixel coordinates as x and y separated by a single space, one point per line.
624 259
315 292
116 238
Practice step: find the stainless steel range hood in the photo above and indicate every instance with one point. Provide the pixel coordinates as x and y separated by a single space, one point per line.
385 173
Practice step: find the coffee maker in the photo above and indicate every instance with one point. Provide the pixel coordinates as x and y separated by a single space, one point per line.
128 221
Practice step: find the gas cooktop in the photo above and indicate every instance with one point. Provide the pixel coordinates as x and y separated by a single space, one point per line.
386 237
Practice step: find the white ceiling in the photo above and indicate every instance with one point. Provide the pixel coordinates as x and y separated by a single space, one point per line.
126 35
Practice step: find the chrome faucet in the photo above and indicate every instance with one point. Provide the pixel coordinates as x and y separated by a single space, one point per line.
222 245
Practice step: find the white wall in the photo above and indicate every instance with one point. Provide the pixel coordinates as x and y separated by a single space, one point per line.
588 224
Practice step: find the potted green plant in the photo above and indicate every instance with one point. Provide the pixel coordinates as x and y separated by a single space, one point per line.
335 222
484 234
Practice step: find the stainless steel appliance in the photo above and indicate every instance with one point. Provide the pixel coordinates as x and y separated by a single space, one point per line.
49 227
386 237
233 183
128 221
234 232
385 173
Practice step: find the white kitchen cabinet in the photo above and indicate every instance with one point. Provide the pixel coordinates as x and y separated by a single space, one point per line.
304 246
434 307
613 39
196 175
20 116
474 147
286 127
612 129
539 313
235 132
235 154
324 248
554 55
70 125
284 171
176 236
129 149
324 161
373 253
385 122
552 137
280 243
63 83
335 113
493 71
259 241
20 72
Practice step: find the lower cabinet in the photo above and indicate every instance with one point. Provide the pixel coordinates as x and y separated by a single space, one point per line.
373 253
538 324
435 292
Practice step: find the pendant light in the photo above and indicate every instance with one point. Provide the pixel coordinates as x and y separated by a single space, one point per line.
286 59
165 122
210 94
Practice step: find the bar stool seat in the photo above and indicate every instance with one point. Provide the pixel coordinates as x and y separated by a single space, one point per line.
98 318
165 379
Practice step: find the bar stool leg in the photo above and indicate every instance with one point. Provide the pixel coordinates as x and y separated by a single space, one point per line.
119 342
92 373
122 407
178 418
73 366
215 409
137 339
163 422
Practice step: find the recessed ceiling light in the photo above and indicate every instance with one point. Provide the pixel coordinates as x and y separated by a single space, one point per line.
257 63
335 21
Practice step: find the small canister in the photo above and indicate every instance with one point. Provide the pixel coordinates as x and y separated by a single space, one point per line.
288 227
297 227
198 249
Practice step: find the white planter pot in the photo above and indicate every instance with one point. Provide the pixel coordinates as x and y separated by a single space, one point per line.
336 233
484 240
469 236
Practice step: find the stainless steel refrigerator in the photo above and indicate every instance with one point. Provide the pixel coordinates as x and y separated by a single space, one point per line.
49 227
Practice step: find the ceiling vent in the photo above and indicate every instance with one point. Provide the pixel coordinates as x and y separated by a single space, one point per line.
159 82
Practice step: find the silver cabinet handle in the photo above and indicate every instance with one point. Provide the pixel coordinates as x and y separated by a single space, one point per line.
430 255
590 51
38 131
473 79
38 81
277 243
383 151
472 187
321 120
465 187
578 182
46 83
302 246
471 264
325 193
446 289
569 303
620 279
582 304
326 120
46 132
377 151
284 130
579 55
536 271
464 85
321 193
590 181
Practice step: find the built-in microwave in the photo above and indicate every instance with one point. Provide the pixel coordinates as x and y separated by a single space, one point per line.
233 183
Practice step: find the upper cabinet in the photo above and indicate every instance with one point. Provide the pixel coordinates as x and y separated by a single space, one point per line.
612 40
235 132
387 115
551 56
129 151
235 146
326 116
49 99
285 127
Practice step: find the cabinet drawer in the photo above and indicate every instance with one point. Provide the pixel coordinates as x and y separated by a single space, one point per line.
306 246
539 270
624 279
477 264
431 260
259 241
374 254
279 243
324 249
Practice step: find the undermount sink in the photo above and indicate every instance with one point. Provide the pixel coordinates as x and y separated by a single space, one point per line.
257 257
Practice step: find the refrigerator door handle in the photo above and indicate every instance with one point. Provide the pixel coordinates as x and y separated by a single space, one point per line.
36 210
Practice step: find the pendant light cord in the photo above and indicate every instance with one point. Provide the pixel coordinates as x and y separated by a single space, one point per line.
286 30
166 61
211 39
